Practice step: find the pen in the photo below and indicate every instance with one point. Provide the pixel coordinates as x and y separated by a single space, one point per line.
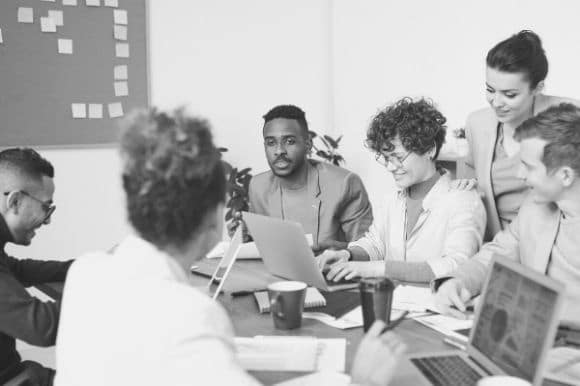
394 323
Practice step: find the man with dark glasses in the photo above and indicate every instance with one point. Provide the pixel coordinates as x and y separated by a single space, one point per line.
26 183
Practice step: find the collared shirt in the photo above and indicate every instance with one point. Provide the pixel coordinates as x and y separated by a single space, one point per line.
21 315
448 231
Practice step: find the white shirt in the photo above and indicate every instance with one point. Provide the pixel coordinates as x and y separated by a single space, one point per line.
449 230
132 318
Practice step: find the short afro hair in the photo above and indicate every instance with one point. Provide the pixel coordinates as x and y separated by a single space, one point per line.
288 112
173 175
418 124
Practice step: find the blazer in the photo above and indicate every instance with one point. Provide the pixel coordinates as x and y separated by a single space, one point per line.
481 135
341 207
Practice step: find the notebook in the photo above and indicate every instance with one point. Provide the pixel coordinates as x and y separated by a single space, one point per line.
313 299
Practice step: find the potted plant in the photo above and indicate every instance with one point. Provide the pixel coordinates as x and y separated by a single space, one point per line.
330 153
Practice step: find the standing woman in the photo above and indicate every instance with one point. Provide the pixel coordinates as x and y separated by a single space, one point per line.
515 74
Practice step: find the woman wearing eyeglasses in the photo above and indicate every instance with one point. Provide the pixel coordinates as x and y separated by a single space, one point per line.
426 228
514 80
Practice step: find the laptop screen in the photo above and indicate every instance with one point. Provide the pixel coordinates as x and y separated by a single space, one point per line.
514 321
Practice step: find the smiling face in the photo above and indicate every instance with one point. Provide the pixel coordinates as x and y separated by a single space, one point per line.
545 186
407 168
286 146
510 95
27 211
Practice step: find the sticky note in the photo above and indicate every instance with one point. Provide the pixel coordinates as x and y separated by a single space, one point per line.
25 15
120 73
69 2
122 50
120 16
47 24
115 110
121 89
120 32
95 111
50 1
56 16
65 46
93 3
79 110
111 3
1 39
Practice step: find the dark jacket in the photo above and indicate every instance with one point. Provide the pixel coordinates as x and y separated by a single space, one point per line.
21 315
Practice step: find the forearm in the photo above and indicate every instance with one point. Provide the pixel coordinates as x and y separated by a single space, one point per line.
409 271
358 254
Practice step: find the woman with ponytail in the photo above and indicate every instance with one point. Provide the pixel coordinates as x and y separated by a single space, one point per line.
515 74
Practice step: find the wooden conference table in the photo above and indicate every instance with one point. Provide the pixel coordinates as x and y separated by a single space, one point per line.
248 322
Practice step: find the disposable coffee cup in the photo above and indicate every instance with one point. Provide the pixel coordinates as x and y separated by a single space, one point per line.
287 303
376 296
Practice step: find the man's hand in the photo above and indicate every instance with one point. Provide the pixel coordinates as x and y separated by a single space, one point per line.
451 298
331 257
464 184
376 357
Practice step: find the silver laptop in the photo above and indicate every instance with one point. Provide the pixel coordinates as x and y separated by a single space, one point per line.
513 330
285 251
226 263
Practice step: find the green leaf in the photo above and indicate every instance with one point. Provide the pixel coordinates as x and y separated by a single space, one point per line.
331 141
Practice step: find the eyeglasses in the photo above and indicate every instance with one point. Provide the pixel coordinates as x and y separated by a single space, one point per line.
394 160
47 207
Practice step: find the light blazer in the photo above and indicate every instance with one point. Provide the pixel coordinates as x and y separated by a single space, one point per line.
341 208
528 239
481 135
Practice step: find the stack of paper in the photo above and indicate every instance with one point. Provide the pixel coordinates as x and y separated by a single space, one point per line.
291 353
413 298
563 365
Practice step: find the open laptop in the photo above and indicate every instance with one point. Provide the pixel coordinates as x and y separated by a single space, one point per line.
513 330
226 263
285 251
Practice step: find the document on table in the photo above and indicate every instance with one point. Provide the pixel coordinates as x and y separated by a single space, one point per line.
447 325
412 298
351 319
291 353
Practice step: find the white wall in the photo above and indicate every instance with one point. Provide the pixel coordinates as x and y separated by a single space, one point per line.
340 60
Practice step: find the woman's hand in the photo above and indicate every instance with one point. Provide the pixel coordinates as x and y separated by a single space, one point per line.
464 184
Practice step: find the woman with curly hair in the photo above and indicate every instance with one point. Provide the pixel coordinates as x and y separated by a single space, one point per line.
426 229
515 74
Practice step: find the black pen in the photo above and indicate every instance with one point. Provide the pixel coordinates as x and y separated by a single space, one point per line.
394 323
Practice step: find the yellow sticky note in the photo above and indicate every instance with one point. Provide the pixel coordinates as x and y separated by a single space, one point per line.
120 32
111 3
1 39
120 73
56 15
120 16
115 110
69 2
121 89
122 50
95 110
79 110
25 15
47 24
93 3
65 46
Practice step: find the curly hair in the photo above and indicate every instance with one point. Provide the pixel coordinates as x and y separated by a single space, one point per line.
522 52
418 124
172 174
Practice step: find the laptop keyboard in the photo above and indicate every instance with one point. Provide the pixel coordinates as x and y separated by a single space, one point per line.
447 370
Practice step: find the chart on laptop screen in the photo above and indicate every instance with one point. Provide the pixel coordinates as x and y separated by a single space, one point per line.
514 321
